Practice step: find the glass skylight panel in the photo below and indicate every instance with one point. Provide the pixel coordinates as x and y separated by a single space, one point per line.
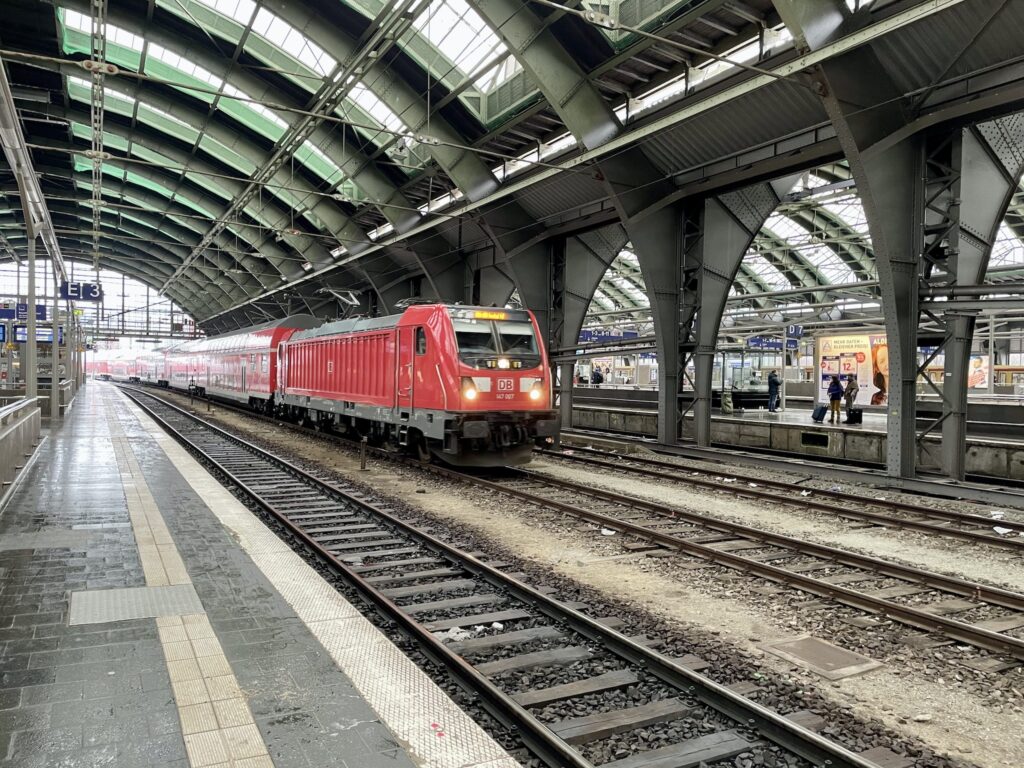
239 10
769 274
851 212
293 42
239 105
459 33
375 108
1007 249
602 300
317 161
82 23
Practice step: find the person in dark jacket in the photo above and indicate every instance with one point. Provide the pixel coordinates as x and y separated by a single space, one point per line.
835 397
773 392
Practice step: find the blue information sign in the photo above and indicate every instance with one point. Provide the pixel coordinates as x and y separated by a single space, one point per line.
81 291
20 312
44 334
768 342
794 331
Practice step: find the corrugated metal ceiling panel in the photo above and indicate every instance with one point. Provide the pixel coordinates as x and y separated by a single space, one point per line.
564 192
760 117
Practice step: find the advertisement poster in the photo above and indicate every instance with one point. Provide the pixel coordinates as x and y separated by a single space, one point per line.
978 372
862 357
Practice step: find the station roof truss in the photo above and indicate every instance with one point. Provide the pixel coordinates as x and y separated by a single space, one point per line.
811 261
246 156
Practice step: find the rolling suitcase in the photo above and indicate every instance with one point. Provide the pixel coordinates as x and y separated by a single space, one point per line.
855 416
818 415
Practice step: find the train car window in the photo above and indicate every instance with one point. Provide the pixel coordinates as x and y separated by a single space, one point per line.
421 341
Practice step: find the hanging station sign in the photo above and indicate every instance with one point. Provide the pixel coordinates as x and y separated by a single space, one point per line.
81 291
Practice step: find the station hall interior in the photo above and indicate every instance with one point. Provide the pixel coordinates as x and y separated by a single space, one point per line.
496 383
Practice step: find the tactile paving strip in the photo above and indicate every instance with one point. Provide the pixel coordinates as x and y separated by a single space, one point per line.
433 729
101 605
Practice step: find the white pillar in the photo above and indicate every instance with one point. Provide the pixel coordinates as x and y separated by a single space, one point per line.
55 351
29 363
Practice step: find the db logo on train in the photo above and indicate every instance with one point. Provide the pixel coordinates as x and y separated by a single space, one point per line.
506 385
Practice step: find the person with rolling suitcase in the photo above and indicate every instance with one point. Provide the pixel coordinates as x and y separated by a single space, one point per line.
853 415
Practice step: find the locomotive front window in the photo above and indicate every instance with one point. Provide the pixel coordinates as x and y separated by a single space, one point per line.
517 338
481 343
475 339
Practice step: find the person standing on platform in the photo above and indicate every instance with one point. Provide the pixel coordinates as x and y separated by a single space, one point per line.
850 393
773 392
835 395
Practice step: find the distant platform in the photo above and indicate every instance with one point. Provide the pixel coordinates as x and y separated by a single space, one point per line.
990 452
148 618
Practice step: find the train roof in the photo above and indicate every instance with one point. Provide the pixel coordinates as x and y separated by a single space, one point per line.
357 324
242 338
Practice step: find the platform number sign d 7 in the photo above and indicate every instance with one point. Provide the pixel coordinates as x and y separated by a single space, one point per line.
81 291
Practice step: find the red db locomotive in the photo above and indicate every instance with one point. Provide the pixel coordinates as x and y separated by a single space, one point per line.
470 385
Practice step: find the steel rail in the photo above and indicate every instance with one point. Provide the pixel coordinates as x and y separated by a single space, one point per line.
812 503
770 724
981 488
958 630
538 737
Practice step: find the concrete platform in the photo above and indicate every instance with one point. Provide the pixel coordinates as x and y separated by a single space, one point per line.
147 618
793 431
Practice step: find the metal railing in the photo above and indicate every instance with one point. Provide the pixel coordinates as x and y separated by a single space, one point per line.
19 434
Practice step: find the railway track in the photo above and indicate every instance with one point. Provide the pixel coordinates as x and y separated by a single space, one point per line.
987 615
491 631
884 512
958 609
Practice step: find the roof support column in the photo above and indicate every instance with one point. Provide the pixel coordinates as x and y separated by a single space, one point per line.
728 227
580 270
972 176
658 245
865 108
908 186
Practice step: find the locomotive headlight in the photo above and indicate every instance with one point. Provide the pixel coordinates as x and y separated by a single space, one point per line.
468 388
537 390
503 362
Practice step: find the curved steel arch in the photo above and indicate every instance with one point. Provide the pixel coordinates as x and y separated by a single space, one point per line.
257 88
276 261
857 257
164 254
116 191
796 268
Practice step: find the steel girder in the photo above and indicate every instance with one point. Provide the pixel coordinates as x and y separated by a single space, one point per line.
580 267
164 144
151 200
508 225
727 227
889 159
196 290
967 194
395 207
632 181
337 223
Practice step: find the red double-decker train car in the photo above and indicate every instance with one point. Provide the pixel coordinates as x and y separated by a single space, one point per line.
468 384
240 367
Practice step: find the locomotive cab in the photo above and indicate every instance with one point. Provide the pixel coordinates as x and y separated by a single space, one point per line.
504 385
